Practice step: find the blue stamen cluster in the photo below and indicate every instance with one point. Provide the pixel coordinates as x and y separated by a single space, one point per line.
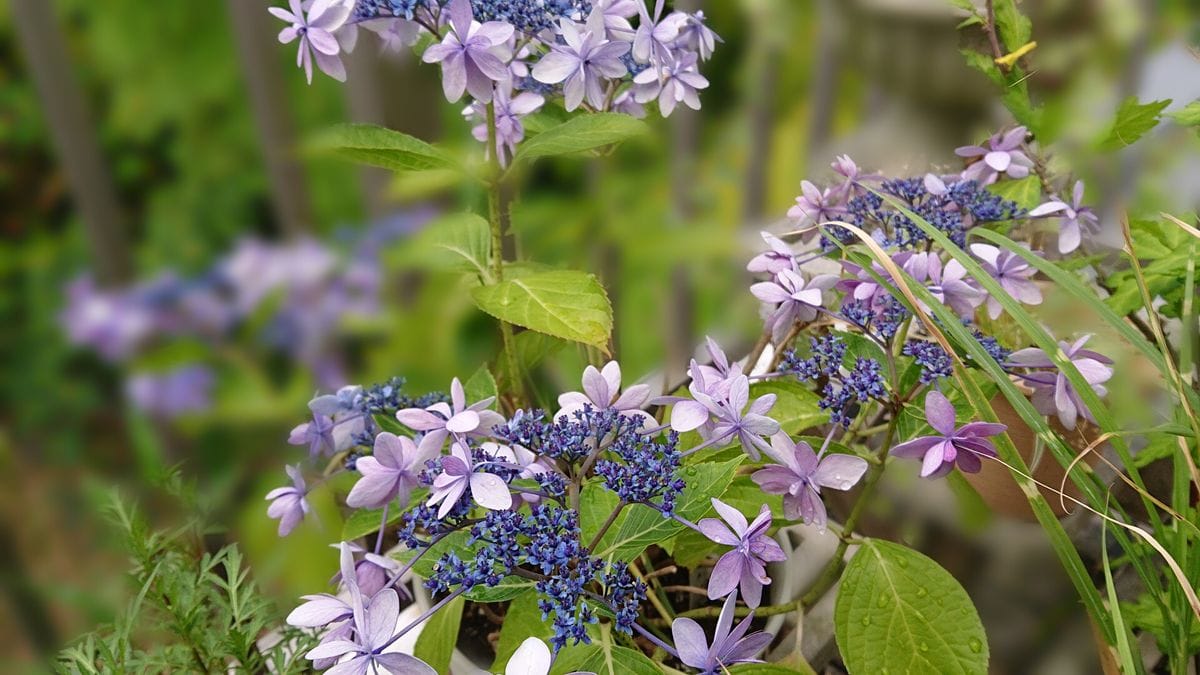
624 594
530 16
570 438
419 525
934 361
825 359
992 346
647 470
864 382
386 9
963 204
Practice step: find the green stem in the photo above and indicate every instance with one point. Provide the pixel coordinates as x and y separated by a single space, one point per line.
713 611
496 223
833 568
612 518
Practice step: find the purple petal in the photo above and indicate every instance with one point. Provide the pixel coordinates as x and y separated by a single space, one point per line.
916 448
732 516
939 413
319 610
717 531
690 642
687 416
490 491
840 472
775 480
726 575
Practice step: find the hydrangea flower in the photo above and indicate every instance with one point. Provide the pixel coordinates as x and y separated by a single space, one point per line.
392 471
728 647
509 110
745 566
602 390
1076 218
800 475
1053 393
795 299
290 503
672 82
374 623
780 257
1013 274
726 405
719 369
653 41
583 62
533 657
1003 155
949 284
441 419
460 473
468 53
315 28
956 445
815 206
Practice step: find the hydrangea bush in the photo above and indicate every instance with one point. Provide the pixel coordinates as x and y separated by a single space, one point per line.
895 311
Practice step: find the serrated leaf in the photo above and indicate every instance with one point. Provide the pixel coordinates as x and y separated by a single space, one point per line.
565 304
581 133
1134 120
1188 115
796 407
481 385
377 146
458 242
435 644
640 526
1026 192
899 611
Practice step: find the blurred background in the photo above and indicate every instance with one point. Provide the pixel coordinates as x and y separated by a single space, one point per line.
178 276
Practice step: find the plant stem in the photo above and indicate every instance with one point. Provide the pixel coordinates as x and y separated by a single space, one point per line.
612 518
495 221
833 568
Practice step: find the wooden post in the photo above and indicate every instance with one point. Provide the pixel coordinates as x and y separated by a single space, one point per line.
72 130
255 33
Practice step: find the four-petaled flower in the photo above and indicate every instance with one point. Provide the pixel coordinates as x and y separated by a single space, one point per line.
583 62
728 646
460 473
1013 274
1003 154
1076 218
602 390
956 445
392 471
470 54
795 299
315 28
1053 393
289 503
726 404
815 206
745 566
456 417
800 475
671 82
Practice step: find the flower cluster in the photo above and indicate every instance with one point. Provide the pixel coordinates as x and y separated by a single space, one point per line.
512 55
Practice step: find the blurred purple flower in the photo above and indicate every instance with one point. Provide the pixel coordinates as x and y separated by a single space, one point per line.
780 257
111 322
1053 393
1076 219
392 471
460 473
949 284
468 53
602 390
956 445
442 419
745 566
1013 274
509 110
583 62
800 475
289 504
815 206
697 36
673 82
795 299
186 389
316 28
317 435
1003 155
728 647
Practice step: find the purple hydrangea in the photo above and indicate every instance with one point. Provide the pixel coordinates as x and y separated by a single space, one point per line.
469 53
722 413
778 258
582 62
956 445
509 109
1076 219
1053 393
794 298
289 503
800 475
745 566
392 471
1013 274
1003 155
456 417
671 82
316 29
816 206
602 390
728 647
461 473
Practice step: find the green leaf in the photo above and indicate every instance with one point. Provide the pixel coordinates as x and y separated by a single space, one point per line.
365 521
1133 120
385 148
796 407
435 644
522 620
481 385
603 658
1026 192
458 242
1187 116
565 304
899 611
1015 29
771 669
640 526
581 133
